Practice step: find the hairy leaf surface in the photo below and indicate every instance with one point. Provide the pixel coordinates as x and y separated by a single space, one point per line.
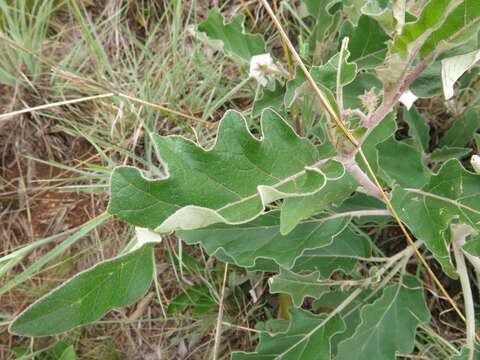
339 186
341 254
230 183
417 128
462 131
89 295
324 75
452 193
367 42
298 286
307 338
410 171
461 23
389 324
261 238
432 16
232 35
379 134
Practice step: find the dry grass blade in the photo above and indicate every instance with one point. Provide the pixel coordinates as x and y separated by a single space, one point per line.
247 10
218 330
323 100
93 84
10 115
165 109
333 115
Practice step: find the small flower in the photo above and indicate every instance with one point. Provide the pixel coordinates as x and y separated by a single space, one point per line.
475 161
262 67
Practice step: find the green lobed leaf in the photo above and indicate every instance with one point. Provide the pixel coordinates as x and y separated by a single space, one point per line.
294 87
360 202
320 131
379 134
460 24
327 16
353 10
363 82
407 171
429 82
197 296
341 254
367 42
389 324
232 35
462 131
338 187
446 153
89 295
452 194
324 75
381 11
271 98
272 325
298 286
232 182
470 77
433 14
307 338
331 300
316 8
261 238
417 128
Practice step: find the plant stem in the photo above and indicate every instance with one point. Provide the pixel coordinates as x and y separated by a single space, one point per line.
339 75
355 213
402 257
218 330
459 234
363 179
389 100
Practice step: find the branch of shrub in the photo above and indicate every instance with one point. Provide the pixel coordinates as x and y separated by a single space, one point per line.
338 122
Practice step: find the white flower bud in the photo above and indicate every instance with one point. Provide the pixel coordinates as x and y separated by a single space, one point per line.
475 161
